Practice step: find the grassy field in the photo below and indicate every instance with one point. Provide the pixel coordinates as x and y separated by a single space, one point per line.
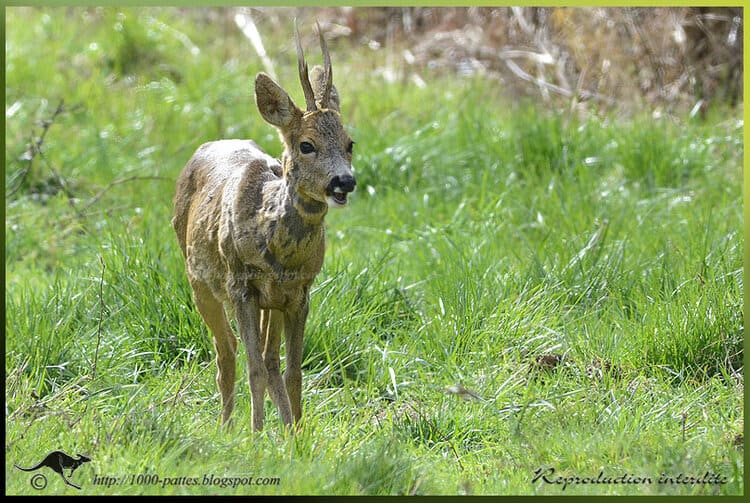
515 297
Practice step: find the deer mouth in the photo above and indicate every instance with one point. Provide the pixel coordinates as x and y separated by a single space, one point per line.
337 192
337 197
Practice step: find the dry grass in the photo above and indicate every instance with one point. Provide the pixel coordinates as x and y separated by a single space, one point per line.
674 59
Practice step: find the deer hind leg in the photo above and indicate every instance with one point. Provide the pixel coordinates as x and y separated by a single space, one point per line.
225 342
271 323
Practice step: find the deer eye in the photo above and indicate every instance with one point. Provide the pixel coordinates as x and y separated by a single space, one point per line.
306 147
350 147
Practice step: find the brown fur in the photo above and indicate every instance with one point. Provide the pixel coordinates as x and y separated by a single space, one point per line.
252 232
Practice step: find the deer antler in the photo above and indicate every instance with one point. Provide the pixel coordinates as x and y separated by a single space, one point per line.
303 75
328 70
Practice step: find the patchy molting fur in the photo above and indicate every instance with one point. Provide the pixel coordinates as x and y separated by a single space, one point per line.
251 229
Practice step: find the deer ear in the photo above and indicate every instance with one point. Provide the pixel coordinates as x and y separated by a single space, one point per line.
274 104
318 83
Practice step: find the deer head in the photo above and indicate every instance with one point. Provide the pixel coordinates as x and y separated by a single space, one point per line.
317 159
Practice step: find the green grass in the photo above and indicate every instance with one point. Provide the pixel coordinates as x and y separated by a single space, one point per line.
483 236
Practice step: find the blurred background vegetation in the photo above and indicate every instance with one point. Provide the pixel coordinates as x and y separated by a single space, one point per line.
669 58
678 62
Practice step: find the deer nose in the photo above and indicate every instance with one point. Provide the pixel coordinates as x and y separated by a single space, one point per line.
344 183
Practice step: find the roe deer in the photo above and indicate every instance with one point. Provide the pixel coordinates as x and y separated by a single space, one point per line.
252 232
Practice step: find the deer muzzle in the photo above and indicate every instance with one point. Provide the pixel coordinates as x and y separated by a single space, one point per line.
338 190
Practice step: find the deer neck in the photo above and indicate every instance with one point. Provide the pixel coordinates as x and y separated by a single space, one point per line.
308 211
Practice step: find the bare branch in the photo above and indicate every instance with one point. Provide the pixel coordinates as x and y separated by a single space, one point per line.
101 317
245 23
120 181
35 147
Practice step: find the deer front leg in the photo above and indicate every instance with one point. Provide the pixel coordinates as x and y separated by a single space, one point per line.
294 328
271 323
247 313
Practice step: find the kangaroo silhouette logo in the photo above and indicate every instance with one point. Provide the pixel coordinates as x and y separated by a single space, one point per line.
59 462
